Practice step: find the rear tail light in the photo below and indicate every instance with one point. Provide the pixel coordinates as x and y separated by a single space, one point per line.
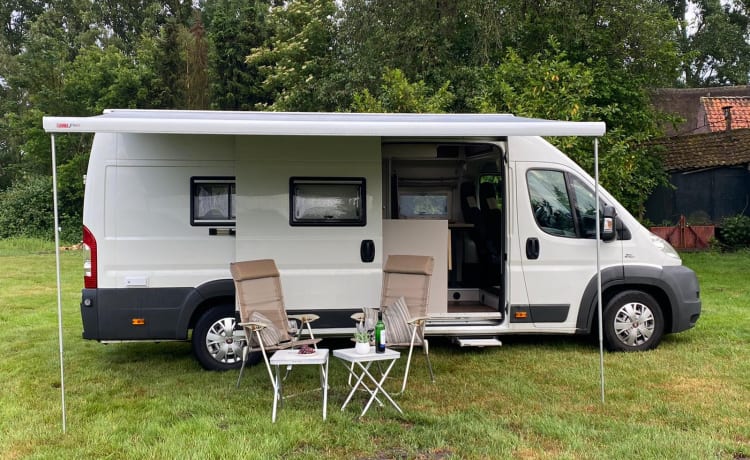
90 280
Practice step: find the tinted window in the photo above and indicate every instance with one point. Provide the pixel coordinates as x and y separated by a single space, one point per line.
584 203
550 202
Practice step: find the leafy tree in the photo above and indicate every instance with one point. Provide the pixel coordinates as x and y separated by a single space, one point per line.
18 16
399 96
298 60
233 28
428 41
718 53
548 85
196 64
104 78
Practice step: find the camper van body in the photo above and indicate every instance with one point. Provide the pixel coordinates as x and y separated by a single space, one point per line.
168 207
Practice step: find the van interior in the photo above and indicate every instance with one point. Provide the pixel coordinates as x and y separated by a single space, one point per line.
459 183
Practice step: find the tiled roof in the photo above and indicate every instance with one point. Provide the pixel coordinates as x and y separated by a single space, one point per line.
707 150
715 117
686 103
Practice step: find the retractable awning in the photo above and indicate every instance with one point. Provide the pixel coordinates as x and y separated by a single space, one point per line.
319 124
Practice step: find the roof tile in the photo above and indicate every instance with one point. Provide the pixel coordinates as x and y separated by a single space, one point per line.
715 118
706 150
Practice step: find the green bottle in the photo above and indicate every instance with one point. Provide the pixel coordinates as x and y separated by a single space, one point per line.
380 334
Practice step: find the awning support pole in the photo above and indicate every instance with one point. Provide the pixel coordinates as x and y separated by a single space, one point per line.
599 267
59 282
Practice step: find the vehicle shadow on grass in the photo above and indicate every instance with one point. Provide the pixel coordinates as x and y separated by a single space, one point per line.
179 355
156 353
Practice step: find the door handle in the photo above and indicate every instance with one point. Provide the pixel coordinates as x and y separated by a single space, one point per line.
367 251
532 248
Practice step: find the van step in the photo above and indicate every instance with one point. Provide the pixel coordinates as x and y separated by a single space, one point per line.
481 343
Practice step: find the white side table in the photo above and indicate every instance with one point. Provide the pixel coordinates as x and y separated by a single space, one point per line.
360 368
294 358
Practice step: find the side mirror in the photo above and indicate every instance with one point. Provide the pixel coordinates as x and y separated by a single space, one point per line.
607 229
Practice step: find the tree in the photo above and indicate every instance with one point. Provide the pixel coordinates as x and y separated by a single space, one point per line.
233 28
68 57
298 60
426 40
718 52
399 96
549 85
18 16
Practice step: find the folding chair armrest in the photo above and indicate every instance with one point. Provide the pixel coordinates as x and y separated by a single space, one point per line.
304 321
360 316
418 320
253 326
305 318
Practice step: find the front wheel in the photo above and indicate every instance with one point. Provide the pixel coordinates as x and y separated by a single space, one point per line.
633 321
216 344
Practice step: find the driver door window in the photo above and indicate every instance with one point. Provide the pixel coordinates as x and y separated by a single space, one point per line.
550 202
562 204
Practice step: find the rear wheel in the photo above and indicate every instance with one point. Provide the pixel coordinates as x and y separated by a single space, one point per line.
216 344
633 321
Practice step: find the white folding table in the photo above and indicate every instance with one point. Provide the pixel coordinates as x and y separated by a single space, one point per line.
294 358
359 368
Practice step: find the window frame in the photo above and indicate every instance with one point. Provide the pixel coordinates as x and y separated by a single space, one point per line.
572 201
359 182
230 181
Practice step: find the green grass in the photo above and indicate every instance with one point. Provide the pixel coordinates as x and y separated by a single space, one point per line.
536 397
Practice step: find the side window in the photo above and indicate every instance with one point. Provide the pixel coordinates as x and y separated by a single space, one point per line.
584 203
317 201
550 202
212 201
562 204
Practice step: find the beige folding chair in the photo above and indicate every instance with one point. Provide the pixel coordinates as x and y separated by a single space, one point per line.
406 289
260 302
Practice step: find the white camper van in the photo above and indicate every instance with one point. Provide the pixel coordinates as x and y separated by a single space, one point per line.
172 197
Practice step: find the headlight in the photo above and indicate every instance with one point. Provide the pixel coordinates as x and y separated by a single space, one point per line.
664 247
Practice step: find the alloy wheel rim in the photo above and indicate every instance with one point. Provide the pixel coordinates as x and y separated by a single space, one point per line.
634 324
224 344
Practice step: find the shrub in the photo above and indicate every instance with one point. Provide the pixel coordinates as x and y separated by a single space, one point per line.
735 231
26 209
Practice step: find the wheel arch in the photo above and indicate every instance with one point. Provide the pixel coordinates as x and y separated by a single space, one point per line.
203 298
646 279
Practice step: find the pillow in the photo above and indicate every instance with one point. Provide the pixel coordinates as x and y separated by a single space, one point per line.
396 317
371 317
270 334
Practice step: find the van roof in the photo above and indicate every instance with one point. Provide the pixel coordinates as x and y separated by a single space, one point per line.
318 124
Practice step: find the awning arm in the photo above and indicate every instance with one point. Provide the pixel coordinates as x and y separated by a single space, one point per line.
599 266
59 281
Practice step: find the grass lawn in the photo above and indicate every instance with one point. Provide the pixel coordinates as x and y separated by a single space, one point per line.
533 398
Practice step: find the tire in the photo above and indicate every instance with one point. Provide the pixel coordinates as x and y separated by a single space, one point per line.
633 321
216 344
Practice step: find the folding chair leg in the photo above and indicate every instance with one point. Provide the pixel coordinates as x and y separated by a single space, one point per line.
426 347
244 360
408 360
268 364
406 371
